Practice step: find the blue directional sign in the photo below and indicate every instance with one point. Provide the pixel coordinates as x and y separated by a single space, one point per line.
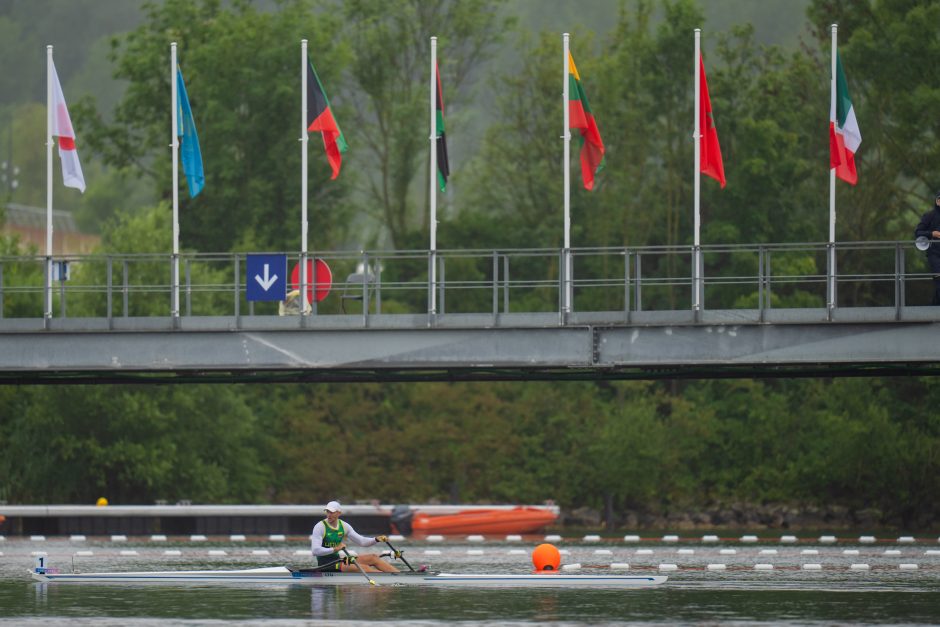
266 277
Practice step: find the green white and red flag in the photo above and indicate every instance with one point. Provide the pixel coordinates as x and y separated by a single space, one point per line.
581 117
844 135
443 164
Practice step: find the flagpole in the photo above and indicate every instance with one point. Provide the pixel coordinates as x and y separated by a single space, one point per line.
697 176
304 140
174 146
49 113
832 180
566 166
433 191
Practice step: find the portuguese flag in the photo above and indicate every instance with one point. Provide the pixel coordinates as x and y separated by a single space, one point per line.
581 117
844 134
443 166
320 118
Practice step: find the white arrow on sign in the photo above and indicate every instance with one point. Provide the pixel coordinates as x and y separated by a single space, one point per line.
267 281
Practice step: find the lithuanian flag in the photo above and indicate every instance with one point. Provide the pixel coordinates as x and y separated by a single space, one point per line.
443 165
581 117
320 118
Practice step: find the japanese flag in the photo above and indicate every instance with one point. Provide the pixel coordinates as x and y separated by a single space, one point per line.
60 125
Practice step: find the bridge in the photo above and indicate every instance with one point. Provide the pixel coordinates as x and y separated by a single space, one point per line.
765 310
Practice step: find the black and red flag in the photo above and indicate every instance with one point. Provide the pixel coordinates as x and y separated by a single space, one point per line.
443 166
320 118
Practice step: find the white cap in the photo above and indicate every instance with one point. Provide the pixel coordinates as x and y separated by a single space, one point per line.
333 506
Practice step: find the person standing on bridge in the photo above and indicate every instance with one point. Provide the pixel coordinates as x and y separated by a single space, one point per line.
328 543
929 227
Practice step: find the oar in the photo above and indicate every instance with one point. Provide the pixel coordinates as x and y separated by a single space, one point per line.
359 566
398 554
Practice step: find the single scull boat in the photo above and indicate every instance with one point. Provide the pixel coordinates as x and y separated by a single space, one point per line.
283 575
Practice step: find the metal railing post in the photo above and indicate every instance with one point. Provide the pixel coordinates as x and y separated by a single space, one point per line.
505 283
831 279
124 287
109 269
495 285
365 289
898 282
626 285
189 287
760 283
638 298
1 291
236 293
440 285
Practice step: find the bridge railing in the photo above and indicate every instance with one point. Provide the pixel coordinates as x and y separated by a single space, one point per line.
757 278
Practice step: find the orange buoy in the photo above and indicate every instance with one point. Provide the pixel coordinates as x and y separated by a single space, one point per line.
102 502
546 557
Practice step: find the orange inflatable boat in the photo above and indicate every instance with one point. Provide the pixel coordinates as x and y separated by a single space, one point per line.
517 520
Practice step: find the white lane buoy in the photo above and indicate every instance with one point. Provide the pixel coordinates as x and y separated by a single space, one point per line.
620 566
574 566
553 537
908 566
84 553
591 537
435 538
827 539
643 552
631 538
277 537
564 552
236 537
260 552
77 538
768 552
709 538
220 552
197 537
37 538
906 539
812 567
809 552
763 566
717 567
129 553
788 539
670 538
119 538
850 552
859 567
158 537
866 539
685 552
668 567
892 552
931 552
727 551
513 538
173 552
474 551
396 537
603 552
475 538
750 539
517 551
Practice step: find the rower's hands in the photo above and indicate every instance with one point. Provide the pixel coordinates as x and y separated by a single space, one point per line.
340 547
935 234
381 538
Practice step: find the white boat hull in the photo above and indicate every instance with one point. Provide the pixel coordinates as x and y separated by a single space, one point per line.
282 575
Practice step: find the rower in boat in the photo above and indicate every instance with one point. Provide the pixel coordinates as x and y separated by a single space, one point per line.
328 544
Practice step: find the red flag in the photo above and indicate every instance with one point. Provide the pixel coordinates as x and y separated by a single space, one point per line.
711 163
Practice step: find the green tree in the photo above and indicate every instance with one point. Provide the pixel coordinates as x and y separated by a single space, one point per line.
242 69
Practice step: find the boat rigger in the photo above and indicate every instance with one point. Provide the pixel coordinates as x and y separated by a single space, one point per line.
286 576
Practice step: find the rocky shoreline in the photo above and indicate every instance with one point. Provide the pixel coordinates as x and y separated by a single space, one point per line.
752 517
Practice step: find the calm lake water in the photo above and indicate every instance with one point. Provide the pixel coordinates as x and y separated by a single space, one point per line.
885 595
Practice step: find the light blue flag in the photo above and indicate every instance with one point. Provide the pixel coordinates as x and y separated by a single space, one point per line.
189 141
